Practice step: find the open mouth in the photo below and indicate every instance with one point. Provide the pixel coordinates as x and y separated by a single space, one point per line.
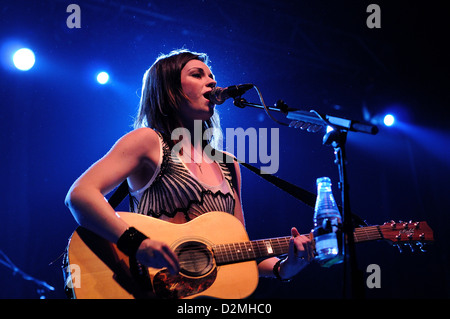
207 95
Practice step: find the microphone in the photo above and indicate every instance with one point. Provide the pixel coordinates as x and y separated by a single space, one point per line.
218 95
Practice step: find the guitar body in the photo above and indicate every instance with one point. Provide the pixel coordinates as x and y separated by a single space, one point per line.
98 269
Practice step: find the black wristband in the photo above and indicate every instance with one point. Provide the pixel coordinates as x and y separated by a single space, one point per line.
130 240
277 273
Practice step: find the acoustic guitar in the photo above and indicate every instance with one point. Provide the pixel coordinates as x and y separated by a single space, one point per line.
216 257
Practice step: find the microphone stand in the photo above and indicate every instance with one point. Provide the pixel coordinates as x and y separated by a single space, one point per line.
314 121
42 285
337 138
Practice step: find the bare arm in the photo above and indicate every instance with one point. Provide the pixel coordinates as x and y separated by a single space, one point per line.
85 198
132 153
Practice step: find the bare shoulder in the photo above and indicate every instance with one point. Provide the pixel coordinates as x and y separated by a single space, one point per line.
142 135
142 138
142 142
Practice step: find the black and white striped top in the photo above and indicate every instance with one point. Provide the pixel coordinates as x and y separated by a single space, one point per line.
174 189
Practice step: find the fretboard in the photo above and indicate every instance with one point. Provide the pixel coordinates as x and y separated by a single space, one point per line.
367 233
251 250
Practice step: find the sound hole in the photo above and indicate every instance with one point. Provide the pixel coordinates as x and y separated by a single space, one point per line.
195 258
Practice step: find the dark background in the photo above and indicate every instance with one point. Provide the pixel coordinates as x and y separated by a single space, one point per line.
56 120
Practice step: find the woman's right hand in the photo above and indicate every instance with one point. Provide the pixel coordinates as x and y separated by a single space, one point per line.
156 254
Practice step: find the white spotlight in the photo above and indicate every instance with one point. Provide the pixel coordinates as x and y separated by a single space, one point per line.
24 59
102 77
389 120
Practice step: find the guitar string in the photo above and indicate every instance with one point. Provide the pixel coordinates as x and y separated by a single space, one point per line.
226 253
229 252
275 242
228 256
243 247
230 248
259 247
249 248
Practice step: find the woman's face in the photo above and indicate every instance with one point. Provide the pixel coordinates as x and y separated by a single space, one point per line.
196 82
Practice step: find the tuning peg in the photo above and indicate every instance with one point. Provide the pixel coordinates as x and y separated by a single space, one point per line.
421 246
400 250
393 224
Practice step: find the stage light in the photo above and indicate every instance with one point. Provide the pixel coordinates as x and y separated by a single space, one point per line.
389 120
24 59
102 77
329 128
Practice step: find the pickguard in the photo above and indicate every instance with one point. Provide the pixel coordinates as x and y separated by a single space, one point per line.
170 286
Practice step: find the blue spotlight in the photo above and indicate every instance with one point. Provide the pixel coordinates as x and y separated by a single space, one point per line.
24 59
389 120
103 77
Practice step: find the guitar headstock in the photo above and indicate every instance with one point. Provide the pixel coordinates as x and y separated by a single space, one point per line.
407 233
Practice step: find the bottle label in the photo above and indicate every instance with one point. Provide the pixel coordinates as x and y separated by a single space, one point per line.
329 212
326 246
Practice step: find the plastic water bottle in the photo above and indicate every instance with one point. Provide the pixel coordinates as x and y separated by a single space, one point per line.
327 221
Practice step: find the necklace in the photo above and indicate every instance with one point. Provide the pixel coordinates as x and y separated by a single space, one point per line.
193 161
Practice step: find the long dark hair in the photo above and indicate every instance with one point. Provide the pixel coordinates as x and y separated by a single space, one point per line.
162 95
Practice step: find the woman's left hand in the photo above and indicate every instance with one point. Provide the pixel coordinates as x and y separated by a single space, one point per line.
300 254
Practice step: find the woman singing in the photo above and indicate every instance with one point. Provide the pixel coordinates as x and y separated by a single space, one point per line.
163 184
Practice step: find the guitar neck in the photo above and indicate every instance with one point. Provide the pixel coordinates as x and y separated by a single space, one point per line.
368 233
251 250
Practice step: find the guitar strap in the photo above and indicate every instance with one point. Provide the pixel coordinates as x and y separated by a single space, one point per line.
119 195
301 194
